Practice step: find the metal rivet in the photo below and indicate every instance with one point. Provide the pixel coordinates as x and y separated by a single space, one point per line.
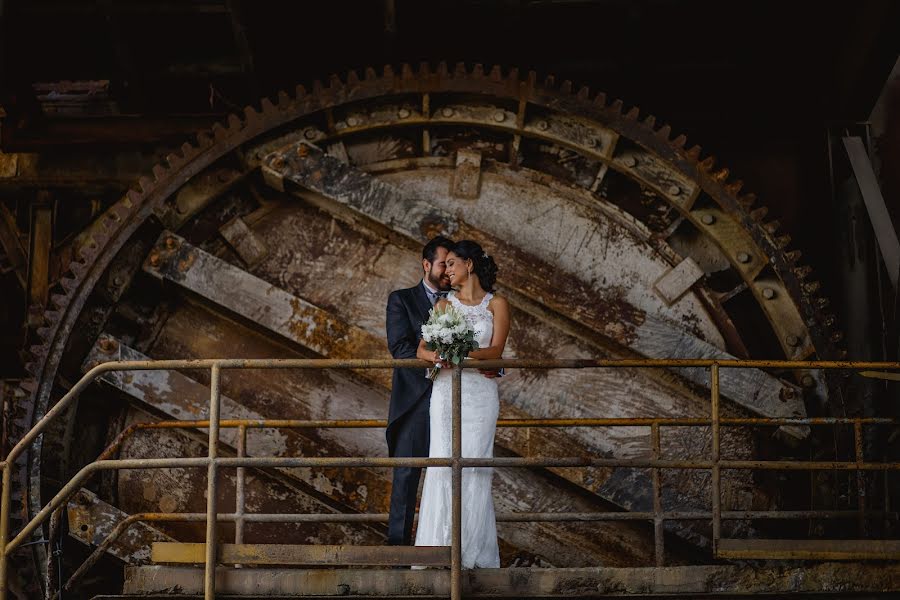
768 293
310 133
591 143
674 190
353 121
340 125
117 281
154 259
170 243
787 393
446 112
543 125
499 116
792 340
403 113
629 161
707 219
807 381
743 257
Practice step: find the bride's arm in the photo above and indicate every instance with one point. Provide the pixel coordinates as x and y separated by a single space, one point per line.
500 308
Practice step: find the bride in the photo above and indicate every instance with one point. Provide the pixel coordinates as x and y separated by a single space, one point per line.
472 275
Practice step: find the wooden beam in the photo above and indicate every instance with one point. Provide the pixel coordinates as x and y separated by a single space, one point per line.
41 242
285 554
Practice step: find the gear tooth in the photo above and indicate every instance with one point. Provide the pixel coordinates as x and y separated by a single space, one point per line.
266 105
566 87
68 284
133 196
793 256
28 385
58 300
406 72
78 268
460 71
837 337
694 152
174 160
584 92
721 175
679 142
532 79
159 172
334 82
219 132
747 200
758 214
145 183
616 107
317 88
300 91
600 99
772 226
477 71
284 100
44 333
650 121
549 82
513 75
664 132
496 73
38 351
352 77
829 320
708 163
187 150
802 272
204 139
31 368
632 115
442 69
734 187
424 69
782 241
250 115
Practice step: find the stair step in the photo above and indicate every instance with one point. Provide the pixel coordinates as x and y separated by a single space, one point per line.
288 554
809 549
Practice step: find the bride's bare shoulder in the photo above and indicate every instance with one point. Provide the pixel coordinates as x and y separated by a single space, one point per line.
498 303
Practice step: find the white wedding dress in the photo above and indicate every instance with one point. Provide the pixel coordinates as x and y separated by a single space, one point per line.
480 407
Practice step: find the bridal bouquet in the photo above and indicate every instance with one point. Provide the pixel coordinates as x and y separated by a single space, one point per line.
448 332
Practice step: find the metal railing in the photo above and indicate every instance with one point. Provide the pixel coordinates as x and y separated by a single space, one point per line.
213 462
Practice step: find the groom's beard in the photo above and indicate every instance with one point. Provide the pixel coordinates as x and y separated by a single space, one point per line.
439 283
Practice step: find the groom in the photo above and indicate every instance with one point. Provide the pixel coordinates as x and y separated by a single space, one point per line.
407 430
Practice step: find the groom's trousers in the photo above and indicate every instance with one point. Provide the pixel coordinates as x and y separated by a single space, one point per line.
411 441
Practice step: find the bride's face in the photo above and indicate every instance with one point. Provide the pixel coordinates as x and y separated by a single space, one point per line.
457 269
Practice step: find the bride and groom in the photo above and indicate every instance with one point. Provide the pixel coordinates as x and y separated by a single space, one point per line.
419 419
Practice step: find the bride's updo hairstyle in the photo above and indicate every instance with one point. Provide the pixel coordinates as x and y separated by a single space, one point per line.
483 265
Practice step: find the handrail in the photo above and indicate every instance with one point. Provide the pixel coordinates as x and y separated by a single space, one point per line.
213 462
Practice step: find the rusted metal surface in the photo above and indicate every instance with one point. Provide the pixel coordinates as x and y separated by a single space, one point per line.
306 167
243 241
689 582
284 554
91 521
809 549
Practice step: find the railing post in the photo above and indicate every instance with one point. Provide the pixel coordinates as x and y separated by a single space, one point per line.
209 573
860 477
456 485
716 475
4 528
658 531
239 488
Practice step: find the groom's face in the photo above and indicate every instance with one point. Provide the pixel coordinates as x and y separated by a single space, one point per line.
435 272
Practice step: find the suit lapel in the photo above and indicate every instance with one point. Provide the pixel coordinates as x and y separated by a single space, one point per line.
422 301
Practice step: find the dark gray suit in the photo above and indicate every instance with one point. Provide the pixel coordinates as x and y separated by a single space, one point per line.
407 430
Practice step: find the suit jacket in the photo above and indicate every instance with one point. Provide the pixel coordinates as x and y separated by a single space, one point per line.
407 310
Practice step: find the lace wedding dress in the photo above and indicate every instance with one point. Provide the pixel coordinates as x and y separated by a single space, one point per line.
480 407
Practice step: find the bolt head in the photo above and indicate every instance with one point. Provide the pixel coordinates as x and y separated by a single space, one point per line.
786 394
353 121
117 281
674 190
807 381
170 243
792 340
743 257
543 125
707 219
107 345
446 112
629 161
591 143
403 113
154 259
310 133
499 116
768 293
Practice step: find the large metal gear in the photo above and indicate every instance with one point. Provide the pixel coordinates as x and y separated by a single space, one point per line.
684 204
